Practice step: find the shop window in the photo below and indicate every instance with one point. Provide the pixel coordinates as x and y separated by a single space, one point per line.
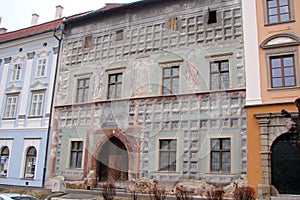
4 159
30 163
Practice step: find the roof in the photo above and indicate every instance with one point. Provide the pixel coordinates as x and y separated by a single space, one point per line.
111 9
34 30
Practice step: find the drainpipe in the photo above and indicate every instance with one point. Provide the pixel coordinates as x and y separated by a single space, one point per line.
58 34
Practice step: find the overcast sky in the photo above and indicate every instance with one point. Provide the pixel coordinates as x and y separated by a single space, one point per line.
17 14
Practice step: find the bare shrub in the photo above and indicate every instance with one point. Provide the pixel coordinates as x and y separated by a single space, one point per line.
108 191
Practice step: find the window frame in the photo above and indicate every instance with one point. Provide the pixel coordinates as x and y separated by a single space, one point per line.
282 70
32 158
77 151
41 67
266 13
115 85
220 150
219 72
170 65
169 151
38 102
16 72
85 90
282 51
10 115
4 166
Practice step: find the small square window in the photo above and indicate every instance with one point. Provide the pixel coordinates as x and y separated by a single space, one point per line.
212 17
119 35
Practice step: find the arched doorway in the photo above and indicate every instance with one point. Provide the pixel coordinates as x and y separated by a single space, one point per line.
285 163
113 161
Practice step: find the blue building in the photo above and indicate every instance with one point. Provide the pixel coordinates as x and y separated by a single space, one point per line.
28 60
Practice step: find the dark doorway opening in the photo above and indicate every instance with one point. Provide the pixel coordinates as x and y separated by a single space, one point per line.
285 163
113 161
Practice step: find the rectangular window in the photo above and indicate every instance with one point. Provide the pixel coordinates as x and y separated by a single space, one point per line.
173 24
41 68
219 75
212 17
114 86
37 103
278 11
16 73
119 35
220 155
76 154
11 106
88 41
170 80
82 90
283 71
167 155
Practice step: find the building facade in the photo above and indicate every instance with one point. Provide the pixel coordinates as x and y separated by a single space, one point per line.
152 89
28 60
273 80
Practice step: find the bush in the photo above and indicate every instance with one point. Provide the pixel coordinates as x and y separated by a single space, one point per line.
244 193
108 191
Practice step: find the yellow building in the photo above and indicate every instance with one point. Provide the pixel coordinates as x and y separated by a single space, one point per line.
273 82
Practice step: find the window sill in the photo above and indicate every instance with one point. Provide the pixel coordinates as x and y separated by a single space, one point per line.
34 117
284 88
280 23
8 118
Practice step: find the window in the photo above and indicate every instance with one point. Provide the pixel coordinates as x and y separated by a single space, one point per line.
170 80
114 86
30 163
76 154
278 11
220 155
283 71
4 161
119 35
11 106
219 75
82 90
37 101
212 17
167 155
41 68
88 41
16 73
173 24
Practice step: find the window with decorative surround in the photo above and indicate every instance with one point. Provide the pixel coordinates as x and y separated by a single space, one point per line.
37 102
278 11
76 154
16 72
167 155
41 68
82 93
220 155
11 106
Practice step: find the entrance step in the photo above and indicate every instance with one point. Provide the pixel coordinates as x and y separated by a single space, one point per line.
286 197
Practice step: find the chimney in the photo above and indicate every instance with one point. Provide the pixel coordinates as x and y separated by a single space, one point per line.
3 30
34 19
58 12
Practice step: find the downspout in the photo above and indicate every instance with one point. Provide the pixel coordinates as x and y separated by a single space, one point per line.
59 38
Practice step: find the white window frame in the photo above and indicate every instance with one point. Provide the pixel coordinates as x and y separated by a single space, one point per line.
36 107
68 163
16 72
41 69
178 153
11 113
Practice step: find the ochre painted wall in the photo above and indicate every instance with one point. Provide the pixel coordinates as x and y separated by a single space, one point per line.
253 131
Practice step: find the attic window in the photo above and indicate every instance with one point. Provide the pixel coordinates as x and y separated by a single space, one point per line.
88 41
212 16
173 24
119 35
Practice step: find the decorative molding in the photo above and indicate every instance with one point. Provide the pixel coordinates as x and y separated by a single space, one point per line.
7 60
13 88
38 85
279 40
31 55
